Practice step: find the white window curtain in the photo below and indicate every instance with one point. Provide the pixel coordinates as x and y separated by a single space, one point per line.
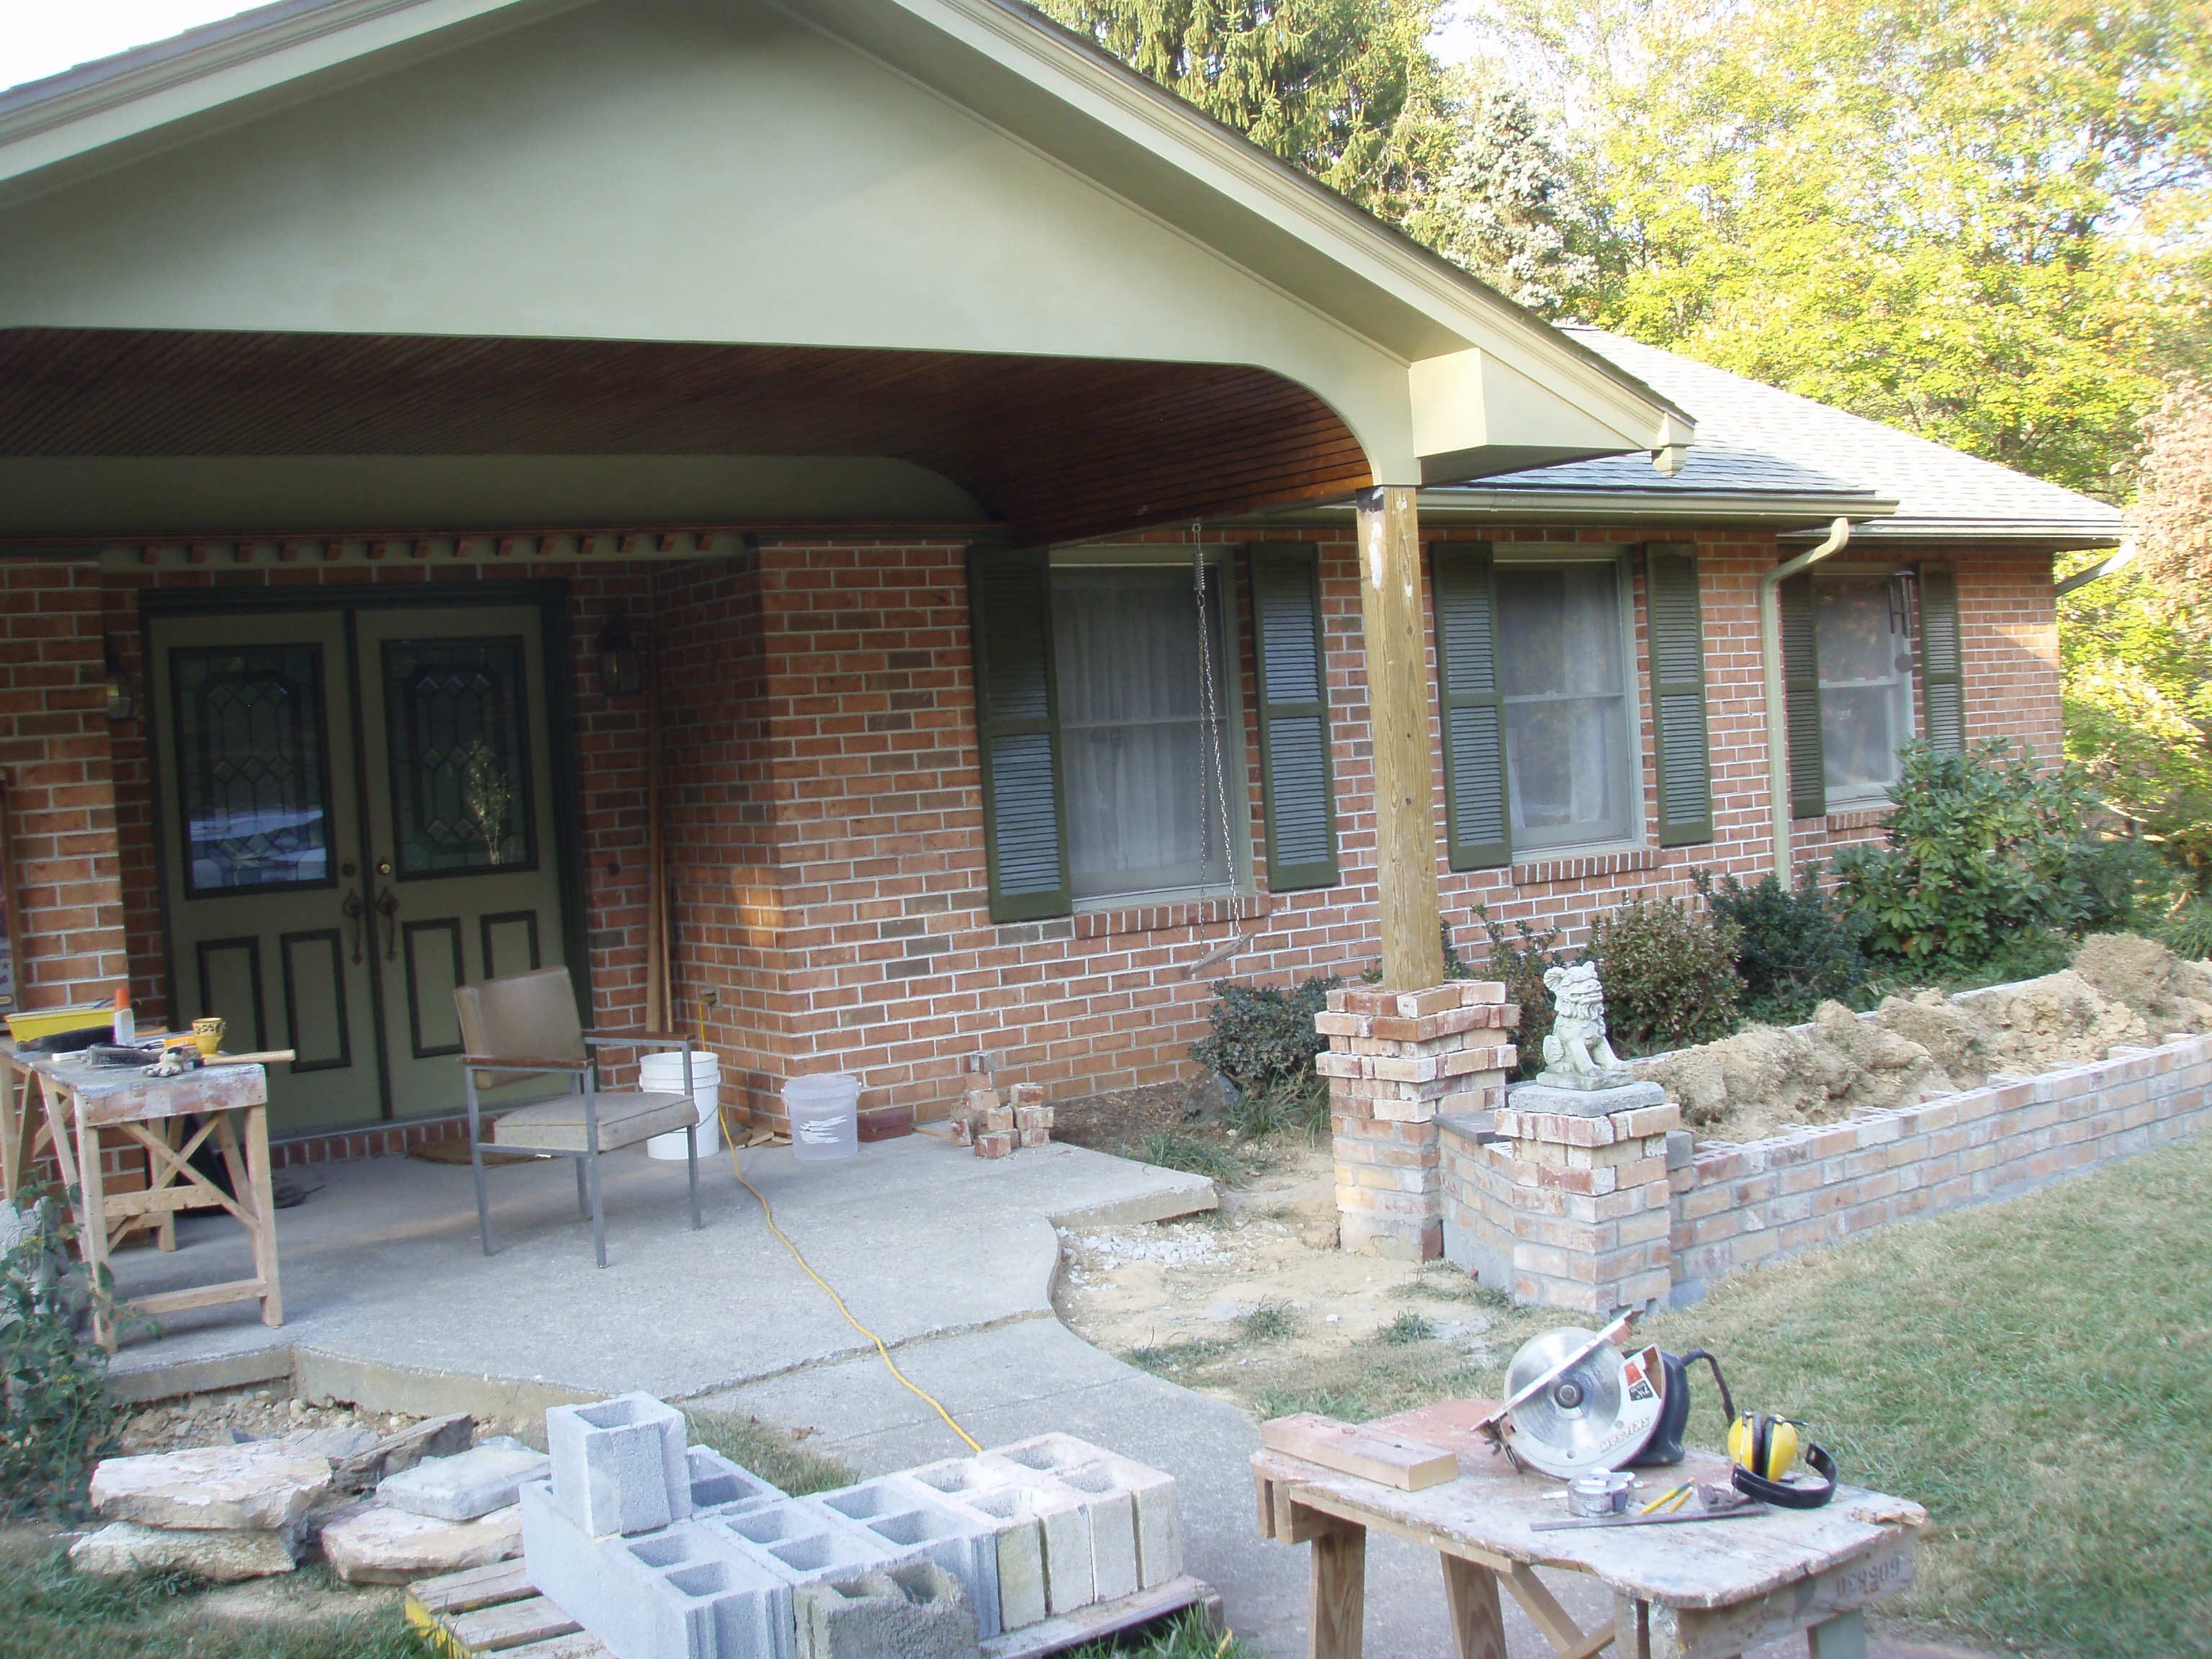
1862 636
1144 782
1560 667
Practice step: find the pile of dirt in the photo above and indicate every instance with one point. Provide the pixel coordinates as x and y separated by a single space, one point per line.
2122 990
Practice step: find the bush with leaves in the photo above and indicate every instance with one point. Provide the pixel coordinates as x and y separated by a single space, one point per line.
57 1417
1519 963
1669 974
1264 1042
1981 851
1794 950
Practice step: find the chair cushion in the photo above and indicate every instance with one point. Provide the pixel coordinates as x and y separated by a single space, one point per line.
557 1126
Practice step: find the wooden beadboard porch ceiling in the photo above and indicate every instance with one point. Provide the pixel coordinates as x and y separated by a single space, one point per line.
1054 449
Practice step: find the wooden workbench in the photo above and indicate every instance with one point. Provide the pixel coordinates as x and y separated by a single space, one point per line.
81 1101
1709 1589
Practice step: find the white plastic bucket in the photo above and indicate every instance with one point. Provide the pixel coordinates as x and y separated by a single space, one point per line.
825 1113
662 1073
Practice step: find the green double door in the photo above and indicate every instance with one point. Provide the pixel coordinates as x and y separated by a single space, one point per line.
357 816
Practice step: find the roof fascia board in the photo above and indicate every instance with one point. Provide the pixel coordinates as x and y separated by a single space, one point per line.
1746 506
234 76
1992 530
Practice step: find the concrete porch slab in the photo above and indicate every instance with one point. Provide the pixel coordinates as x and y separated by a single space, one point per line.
387 1291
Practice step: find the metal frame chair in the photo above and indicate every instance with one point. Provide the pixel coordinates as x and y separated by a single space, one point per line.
526 1026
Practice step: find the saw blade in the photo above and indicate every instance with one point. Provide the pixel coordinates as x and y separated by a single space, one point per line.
1596 1412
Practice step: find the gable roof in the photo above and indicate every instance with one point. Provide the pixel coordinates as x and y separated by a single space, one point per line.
1758 445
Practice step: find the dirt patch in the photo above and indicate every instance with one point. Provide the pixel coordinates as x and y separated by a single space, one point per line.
232 1415
1116 1119
2121 991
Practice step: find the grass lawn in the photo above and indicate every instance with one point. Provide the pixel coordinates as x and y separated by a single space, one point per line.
2038 1373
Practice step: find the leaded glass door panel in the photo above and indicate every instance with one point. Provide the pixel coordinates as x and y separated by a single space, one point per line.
460 817
259 829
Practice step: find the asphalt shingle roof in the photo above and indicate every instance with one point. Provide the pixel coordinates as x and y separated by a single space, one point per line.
1756 438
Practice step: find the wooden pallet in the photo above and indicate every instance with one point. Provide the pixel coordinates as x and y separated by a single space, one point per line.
497 1609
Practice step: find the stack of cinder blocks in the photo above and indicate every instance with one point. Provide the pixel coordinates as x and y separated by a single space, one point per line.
1396 1062
1071 1523
994 1122
1568 1212
663 1552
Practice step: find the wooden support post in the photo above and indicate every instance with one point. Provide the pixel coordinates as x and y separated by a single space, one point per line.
1336 1615
1396 647
1478 1622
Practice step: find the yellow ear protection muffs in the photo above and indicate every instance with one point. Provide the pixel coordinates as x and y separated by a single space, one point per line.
1762 1448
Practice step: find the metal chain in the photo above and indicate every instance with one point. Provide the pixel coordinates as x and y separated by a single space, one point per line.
1216 745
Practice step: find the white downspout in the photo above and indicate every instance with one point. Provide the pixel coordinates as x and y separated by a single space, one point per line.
1770 662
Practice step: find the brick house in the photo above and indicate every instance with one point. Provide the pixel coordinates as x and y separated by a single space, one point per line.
978 528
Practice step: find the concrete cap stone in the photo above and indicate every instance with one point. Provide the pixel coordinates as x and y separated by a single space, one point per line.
485 1478
1538 1099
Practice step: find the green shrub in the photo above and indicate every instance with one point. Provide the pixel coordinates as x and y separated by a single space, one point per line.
1407 1329
1519 964
2117 874
1981 851
2187 930
1261 1036
57 1418
1669 974
1794 951
1297 1102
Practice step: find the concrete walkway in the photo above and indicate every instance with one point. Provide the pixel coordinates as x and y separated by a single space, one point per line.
950 1258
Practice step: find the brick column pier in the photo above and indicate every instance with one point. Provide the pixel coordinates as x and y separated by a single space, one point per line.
1564 1211
1396 1061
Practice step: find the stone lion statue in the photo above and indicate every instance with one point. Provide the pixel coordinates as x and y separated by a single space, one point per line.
1576 1047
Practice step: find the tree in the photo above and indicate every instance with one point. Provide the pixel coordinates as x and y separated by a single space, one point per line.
1506 206
2173 503
1347 89
1955 216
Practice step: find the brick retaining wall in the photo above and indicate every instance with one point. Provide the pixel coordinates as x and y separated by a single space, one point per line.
1567 1233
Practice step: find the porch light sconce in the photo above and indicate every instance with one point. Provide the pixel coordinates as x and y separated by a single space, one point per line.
121 691
622 664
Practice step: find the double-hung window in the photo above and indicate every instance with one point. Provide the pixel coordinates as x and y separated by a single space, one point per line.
1848 658
1154 753
1109 729
1536 672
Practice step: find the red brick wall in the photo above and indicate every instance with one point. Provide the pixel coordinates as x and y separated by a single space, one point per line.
61 806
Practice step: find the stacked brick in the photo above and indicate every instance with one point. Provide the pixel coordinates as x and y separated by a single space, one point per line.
1564 1211
666 1551
994 1122
1397 1061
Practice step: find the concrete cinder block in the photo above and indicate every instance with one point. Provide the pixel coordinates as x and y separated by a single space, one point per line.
1018 1532
618 1465
919 1611
720 1487
1111 1510
1156 1517
907 1517
682 1592
799 1542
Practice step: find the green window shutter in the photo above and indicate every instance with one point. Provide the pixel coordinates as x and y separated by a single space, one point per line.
1294 774
1800 681
1018 722
1478 834
1942 683
1676 619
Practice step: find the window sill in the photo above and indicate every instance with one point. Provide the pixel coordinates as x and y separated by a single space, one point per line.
1870 816
1185 913
1584 866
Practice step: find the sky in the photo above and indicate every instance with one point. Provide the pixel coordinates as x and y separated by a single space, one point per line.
39 38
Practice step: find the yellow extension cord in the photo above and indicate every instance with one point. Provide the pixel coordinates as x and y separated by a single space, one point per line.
769 1216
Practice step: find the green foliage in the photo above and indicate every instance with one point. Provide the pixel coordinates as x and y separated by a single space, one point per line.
1794 950
1980 853
1169 1150
1979 222
1298 1103
2137 677
1519 964
1186 1636
1273 1321
778 1456
1261 1034
1346 1405
1347 89
1408 1326
1669 974
57 1417
1506 206
2187 931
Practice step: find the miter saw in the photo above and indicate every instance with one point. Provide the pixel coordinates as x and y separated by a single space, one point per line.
1576 1404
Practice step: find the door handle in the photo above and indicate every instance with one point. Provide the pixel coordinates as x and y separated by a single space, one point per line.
388 906
352 910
